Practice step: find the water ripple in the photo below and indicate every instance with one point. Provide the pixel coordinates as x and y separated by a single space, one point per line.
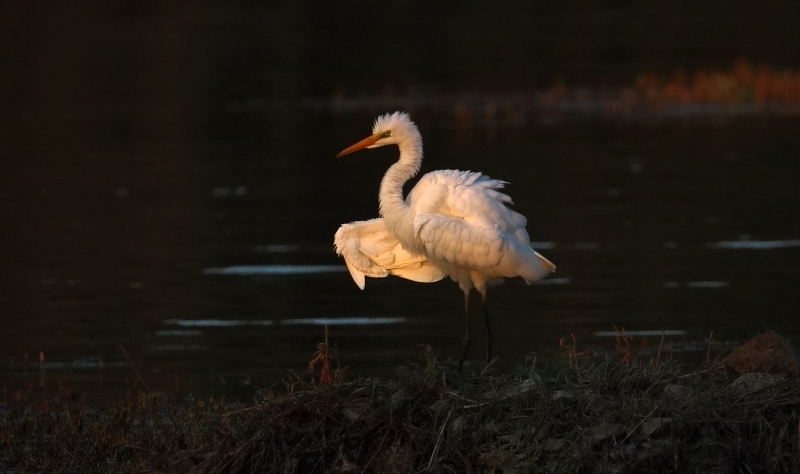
274 269
342 321
654 332
208 323
754 244
355 320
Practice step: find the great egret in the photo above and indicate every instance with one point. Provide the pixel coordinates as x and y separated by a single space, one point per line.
453 223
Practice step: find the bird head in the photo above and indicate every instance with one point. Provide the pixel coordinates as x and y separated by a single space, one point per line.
389 129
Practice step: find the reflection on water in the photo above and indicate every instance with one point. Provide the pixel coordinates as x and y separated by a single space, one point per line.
274 269
217 322
90 363
282 322
178 332
754 244
706 284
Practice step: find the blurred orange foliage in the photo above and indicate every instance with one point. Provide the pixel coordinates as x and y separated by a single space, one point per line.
740 83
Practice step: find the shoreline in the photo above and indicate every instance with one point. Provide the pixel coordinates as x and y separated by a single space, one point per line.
567 416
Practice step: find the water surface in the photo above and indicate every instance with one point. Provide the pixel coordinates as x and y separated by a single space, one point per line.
170 193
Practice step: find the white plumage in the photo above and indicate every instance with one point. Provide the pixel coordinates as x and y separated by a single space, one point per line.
370 250
453 223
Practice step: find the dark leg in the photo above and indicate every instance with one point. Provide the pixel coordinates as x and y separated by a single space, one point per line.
466 330
488 330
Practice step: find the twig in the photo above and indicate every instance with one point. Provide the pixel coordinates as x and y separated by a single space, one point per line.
638 424
439 440
239 411
708 351
138 375
491 362
377 451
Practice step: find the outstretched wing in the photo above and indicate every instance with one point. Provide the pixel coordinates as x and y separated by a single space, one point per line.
369 249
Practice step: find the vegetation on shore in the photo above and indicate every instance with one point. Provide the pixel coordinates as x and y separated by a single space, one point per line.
573 416
742 89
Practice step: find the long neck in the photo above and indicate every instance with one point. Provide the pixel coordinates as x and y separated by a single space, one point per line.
393 207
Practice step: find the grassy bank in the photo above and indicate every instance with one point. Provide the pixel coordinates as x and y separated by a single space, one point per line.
631 416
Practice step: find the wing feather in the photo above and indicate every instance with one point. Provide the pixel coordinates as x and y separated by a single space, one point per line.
471 196
369 249
459 242
463 219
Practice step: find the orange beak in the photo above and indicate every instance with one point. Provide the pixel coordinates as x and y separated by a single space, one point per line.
362 144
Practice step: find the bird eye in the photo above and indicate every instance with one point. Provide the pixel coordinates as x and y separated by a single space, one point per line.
387 133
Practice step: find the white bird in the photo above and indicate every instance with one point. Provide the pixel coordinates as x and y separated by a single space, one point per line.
453 223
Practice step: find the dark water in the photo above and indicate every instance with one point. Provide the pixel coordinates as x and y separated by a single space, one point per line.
689 228
161 218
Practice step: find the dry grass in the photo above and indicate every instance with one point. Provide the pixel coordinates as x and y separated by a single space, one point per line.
64 435
608 417
629 416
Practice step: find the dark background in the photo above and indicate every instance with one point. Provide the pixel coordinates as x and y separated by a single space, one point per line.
142 143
